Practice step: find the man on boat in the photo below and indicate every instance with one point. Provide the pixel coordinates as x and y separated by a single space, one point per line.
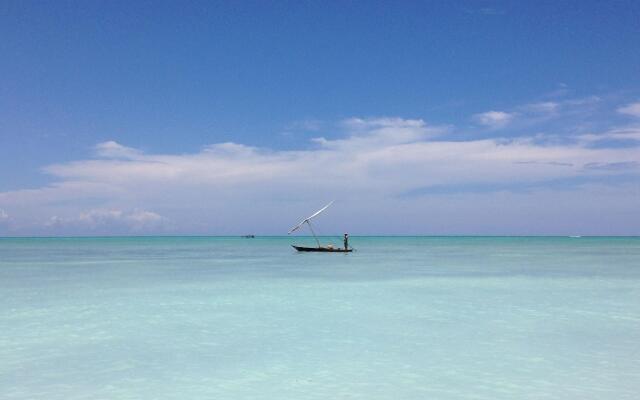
346 241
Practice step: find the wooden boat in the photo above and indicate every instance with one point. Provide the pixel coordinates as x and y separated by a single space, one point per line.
320 248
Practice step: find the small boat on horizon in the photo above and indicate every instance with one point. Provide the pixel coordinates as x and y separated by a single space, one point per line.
320 248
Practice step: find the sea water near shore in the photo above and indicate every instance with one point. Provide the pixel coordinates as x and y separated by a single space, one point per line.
401 318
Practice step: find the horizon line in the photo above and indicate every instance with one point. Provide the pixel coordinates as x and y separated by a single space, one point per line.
324 236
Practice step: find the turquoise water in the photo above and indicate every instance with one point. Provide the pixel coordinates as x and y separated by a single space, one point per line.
401 318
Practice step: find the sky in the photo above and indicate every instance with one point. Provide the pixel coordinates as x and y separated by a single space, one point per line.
229 118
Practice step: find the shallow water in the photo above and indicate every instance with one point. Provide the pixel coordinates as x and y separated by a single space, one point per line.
408 317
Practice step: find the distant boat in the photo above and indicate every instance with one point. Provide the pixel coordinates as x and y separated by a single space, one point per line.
248 236
320 248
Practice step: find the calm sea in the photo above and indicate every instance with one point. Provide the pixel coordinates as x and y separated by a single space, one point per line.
401 318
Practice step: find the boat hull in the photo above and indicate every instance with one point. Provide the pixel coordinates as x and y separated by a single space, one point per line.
322 249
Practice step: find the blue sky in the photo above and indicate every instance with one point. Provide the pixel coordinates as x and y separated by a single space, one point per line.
228 118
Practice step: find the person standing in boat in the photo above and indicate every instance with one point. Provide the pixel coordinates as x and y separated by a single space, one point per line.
346 241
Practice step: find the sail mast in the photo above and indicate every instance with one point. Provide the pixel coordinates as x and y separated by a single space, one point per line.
295 228
314 234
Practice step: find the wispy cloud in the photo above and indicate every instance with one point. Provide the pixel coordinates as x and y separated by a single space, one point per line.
614 166
558 108
109 221
5 222
537 113
389 167
561 91
305 125
112 149
632 109
549 121
624 133
484 11
563 184
383 166
544 107
494 119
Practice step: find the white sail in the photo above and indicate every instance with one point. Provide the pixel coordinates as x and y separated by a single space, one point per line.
295 228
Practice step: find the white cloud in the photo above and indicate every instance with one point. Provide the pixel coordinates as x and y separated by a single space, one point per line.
231 188
631 132
545 107
4 219
582 101
494 119
112 149
109 220
305 125
535 113
632 109
366 133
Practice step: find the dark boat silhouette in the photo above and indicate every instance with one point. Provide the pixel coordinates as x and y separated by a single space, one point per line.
320 248
325 249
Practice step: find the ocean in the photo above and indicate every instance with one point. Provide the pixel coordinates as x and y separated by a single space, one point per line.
400 318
